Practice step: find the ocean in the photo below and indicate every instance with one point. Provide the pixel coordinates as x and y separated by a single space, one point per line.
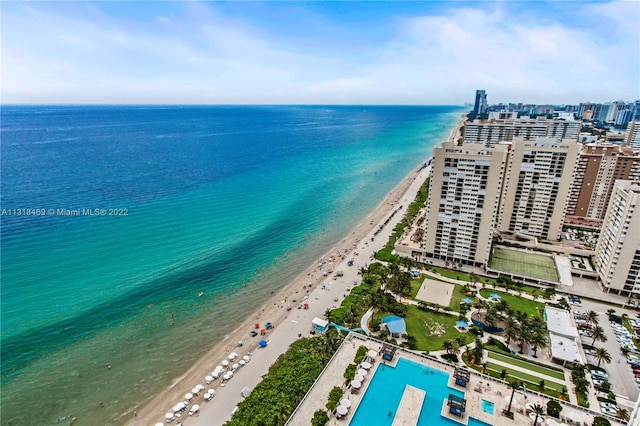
133 238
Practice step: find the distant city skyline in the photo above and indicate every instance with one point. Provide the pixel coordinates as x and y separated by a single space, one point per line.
319 52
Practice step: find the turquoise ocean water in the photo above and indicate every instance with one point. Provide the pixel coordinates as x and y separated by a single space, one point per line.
230 201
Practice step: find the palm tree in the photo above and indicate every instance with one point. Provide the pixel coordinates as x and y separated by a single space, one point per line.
538 410
597 333
448 346
541 385
623 414
592 317
503 374
514 385
511 330
538 340
601 354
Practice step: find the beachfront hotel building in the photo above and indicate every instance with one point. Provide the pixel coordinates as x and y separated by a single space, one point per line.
617 254
537 179
464 195
497 129
598 168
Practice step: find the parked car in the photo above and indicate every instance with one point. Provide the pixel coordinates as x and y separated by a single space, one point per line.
610 411
609 405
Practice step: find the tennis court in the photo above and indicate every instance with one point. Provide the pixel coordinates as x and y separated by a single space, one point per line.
534 265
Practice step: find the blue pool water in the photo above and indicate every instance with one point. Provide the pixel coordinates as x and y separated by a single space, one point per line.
487 406
382 398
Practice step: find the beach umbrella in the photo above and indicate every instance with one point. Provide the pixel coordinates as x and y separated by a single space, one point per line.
342 410
219 368
362 372
226 376
240 342
200 387
242 362
169 416
225 362
195 391
211 392
195 408
358 378
257 325
372 354
235 366
230 373
366 365
188 396
208 397
263 343
345 403
208 379
216 374
356 384
246 358
232 357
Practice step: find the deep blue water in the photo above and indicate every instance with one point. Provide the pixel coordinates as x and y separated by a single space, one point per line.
229 201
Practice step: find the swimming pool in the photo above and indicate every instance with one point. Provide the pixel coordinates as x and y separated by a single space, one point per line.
382 398
487 406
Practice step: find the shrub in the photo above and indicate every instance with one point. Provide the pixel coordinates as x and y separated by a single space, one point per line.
601 421
320 418
450 357
360 354
334 398
350 371
554 408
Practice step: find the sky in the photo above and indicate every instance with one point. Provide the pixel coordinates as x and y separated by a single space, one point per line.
332 52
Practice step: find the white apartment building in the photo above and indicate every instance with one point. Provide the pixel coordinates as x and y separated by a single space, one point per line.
492 131
464 194
618 250
537 183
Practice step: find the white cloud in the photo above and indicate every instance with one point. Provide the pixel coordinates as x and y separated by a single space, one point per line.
210 58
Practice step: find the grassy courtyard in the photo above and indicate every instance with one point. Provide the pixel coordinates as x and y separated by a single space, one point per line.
431 329
517 303
518 262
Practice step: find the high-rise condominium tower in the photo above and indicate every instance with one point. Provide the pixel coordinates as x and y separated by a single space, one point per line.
618 249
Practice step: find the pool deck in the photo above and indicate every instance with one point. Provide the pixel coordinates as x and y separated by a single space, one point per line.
478 388
408 413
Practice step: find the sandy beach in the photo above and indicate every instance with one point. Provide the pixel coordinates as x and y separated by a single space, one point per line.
290 322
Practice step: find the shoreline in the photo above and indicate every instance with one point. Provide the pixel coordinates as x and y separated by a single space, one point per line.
281 310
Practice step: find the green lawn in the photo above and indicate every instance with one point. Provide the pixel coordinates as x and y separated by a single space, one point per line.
534 265
517 303
415 286
431 329
456 298
531 379
529 366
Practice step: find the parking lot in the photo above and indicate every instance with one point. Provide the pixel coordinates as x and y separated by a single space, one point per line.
620 373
